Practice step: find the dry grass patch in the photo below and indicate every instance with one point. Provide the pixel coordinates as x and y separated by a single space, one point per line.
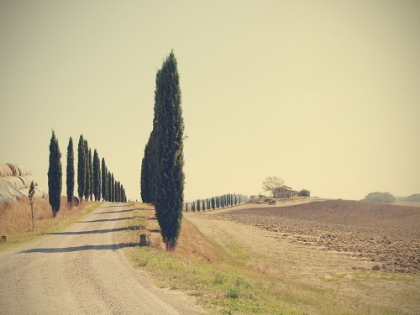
16 219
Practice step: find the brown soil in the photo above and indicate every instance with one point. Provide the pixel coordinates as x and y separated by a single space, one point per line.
388 236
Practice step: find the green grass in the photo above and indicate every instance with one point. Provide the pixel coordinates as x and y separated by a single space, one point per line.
226 280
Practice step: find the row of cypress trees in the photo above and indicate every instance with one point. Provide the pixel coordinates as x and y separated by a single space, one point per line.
162 175
227 200
93 180
90 180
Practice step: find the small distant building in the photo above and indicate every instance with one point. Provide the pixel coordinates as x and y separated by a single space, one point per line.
285 192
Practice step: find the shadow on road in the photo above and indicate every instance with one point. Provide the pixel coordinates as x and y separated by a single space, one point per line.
113 205
118 211
131 227
78 248
109 220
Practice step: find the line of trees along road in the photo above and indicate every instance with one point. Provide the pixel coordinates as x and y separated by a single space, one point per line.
227 200
93 181
162 175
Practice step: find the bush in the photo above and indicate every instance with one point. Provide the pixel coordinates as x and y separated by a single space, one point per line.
380 197
305 193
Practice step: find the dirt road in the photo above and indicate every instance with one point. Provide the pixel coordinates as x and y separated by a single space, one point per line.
81 271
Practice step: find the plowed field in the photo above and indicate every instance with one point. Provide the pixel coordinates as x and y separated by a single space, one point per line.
388 235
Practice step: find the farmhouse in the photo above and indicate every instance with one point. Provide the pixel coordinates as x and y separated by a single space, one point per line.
285 192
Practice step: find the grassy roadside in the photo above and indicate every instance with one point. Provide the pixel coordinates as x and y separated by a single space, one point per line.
229 279
16 221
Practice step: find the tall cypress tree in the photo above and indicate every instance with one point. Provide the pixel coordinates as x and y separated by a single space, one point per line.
169 174
108 186
112 188
104 177
81 168
90 167
96 176
70 172
144 191
87 180
54 176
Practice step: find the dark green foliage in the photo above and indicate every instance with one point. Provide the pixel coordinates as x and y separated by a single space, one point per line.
144 188
112 188
70 171
198 205
81 167
31 202
381 197
204 205
54 176
304 193
90 163
86 193
96 176
108 188
104 178
168 145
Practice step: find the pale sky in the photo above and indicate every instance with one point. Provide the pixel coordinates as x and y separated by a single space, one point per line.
323 94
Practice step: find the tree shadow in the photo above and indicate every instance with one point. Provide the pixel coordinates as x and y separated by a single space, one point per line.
79 248
116 204
109 220
119 211
131 227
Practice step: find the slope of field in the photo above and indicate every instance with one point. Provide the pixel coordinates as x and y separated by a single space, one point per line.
348 212
386 234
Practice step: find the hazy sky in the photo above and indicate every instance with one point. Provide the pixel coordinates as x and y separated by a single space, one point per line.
323 94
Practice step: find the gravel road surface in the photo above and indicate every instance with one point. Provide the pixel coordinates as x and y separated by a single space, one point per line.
81 271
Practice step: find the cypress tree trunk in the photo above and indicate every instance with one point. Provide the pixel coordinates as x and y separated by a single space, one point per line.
54 176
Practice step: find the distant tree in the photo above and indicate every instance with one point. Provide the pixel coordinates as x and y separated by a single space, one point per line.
198 205
411 198
380 197
70 172
104 177
304 193
54 176
81 168
87 165
271 183
112 188
90 163
31 202
193 206
96 176
236 200
186 207
108 187
213 203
